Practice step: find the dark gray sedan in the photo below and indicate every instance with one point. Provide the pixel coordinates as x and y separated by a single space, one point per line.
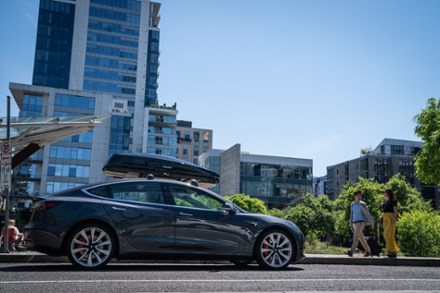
157 219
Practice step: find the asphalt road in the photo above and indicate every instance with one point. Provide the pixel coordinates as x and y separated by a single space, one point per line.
216 278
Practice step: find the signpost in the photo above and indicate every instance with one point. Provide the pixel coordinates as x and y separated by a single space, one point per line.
5 180
6 160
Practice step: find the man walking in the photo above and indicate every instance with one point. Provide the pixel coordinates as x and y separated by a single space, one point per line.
359 217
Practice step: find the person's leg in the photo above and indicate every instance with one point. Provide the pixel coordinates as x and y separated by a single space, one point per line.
19 240
395 247
359 236
389 233
362 239
355 237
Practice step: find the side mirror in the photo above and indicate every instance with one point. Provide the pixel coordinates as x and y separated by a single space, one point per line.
229 208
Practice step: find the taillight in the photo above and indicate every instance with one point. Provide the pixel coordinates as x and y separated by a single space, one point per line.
50 204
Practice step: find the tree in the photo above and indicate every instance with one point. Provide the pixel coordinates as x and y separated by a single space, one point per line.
250 204
365 151
428 129
408 197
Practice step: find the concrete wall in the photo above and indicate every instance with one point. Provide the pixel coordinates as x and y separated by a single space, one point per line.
230 171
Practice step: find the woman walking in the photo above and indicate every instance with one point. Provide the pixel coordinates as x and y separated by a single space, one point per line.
389 220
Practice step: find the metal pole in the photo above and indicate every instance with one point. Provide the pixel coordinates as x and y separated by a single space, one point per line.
7 190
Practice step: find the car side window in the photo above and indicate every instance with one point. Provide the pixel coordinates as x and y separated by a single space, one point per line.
188 197
148 192
100 191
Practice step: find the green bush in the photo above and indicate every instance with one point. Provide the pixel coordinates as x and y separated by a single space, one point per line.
311 214
250 204
419 233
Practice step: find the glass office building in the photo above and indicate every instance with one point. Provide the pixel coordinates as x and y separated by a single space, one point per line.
53 49
109 46
278 181
94 57
71 162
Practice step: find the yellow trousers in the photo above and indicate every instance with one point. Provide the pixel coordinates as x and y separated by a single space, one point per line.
389 232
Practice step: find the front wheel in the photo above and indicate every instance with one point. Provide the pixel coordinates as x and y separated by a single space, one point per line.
90 246
274 250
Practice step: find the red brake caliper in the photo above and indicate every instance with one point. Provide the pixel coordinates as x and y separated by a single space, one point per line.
77 245
266 253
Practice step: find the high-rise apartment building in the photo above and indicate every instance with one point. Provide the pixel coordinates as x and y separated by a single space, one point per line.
192 142
97 57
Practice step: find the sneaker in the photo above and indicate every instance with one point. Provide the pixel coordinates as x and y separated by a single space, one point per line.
349 253
391 255
367 254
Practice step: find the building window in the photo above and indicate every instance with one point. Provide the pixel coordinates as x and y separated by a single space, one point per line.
70 153
397 150
32 106
74 101
120 134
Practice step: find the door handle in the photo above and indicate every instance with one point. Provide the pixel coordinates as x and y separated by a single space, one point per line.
185 214
118 209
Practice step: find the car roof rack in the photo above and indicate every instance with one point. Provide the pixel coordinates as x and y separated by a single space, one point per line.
139 165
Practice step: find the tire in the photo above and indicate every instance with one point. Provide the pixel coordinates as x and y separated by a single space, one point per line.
274 250
86 254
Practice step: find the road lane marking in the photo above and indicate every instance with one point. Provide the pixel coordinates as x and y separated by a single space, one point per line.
214 281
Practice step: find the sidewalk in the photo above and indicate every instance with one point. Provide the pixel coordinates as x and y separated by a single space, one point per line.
36 257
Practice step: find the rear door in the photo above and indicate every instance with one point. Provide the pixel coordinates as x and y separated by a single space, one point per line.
202 226
139 213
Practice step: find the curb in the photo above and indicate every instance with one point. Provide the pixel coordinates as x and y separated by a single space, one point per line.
371 261
315 259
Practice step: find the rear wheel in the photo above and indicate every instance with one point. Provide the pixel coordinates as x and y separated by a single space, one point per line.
274 249
90 246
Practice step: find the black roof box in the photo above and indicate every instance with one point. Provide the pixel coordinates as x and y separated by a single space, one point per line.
139 165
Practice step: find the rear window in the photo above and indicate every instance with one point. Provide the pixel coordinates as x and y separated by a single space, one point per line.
100 191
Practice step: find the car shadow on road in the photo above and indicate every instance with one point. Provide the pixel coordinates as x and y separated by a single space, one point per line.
122 267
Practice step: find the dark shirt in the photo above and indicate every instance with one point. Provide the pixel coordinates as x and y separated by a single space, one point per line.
388 206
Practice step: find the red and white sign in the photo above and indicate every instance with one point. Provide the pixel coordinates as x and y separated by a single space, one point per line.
6 147
5 164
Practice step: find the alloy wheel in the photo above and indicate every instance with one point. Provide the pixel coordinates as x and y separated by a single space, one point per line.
91 247
275 250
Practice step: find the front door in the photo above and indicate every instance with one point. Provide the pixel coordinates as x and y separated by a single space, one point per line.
202 226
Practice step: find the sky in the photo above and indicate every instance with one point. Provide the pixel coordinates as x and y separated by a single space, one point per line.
313 79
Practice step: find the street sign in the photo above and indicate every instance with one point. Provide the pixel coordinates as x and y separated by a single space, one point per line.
5 165
6 147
